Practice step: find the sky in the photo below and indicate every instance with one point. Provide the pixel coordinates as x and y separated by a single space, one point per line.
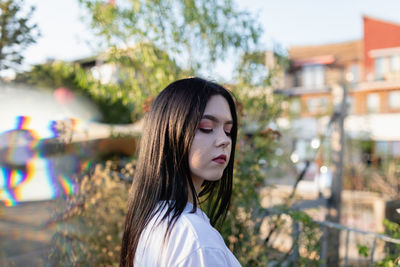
285 23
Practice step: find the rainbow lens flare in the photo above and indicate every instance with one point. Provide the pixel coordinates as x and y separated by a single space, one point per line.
31 170
37 158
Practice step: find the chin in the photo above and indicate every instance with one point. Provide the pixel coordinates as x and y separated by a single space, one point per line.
213 178
210 175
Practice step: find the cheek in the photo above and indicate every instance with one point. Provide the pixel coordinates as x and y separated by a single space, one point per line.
194 159
196 153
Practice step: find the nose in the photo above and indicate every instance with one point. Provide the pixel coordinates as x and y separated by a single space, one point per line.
222 139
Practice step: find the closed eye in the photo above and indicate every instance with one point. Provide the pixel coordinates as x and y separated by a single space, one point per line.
205 130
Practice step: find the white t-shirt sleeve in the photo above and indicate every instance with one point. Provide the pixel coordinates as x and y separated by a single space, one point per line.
207 257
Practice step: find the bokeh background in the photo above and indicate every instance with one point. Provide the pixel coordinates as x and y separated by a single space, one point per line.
318 90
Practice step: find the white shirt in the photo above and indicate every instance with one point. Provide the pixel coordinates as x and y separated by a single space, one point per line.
193 242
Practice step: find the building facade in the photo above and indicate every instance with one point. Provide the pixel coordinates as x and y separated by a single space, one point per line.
369 69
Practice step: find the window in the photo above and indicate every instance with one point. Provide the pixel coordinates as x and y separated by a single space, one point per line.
387 148
396 148
395 63
105 73
355 73
313 76
350 104
303 149
373 103
295 106
387 68
380 68
394 100
381 148
317 104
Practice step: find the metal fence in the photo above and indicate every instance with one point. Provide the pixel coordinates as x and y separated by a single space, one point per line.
374 237
326 224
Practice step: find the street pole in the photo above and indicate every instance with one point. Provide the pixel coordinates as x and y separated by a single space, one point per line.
337 159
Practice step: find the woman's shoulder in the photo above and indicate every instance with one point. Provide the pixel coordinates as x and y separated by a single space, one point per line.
197 225
192 239
202 243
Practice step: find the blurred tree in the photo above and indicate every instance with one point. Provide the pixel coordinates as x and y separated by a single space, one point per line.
149 44
241 229
153 43
113 107
200 31
392 257
16 32
52 75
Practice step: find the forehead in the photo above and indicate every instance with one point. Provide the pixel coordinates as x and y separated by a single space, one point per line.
218 107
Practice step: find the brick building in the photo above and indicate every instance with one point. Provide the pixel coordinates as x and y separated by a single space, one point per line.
370 70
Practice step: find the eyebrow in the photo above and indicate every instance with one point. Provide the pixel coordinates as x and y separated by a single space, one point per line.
211 117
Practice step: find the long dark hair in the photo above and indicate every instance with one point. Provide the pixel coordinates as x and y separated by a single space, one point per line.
162 171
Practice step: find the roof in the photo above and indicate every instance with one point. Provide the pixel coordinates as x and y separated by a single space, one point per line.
381 20
343 52
297 91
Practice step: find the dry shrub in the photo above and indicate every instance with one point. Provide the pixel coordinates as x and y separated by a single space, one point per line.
89 226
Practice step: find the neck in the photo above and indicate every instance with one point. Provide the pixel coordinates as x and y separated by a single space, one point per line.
197 182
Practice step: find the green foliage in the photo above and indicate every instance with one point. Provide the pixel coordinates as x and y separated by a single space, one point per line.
202 31
392 257
153 43
305 237
16 32
150 44
362 250
392 228
310 234
53 75
89 227
143 70
77 243
165 40
112 103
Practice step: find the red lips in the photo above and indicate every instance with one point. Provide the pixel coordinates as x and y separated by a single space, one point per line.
221 159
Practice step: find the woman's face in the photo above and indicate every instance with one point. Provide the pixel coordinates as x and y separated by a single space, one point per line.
211 148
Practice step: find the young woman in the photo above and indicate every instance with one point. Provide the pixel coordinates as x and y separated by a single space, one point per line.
186 154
